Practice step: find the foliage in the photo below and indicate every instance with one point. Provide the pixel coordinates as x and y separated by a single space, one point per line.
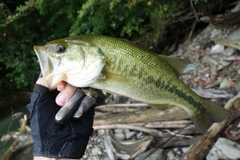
118 17
199 1
35 22
20 31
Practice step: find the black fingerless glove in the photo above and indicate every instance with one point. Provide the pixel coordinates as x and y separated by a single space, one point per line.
52 139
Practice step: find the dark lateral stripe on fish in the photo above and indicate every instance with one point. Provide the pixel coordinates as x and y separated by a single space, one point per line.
173 89
190 100
160 84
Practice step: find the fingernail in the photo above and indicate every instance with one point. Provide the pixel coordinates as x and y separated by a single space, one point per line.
61 99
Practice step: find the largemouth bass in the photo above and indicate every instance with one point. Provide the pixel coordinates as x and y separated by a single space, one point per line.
118 66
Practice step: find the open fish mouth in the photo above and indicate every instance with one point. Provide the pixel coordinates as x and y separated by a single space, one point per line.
48 66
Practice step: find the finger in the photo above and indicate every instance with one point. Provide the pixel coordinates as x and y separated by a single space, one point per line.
65 94
87 102
68 110
61 86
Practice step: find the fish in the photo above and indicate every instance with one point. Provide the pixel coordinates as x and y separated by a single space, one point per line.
118 66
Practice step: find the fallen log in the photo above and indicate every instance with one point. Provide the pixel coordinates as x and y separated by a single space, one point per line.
142 116
204 143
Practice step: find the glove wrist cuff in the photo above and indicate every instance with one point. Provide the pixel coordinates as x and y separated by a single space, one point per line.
39 88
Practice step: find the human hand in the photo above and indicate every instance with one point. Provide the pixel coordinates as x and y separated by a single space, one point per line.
67 97
54 140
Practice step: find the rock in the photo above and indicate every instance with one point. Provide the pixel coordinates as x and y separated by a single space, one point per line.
218 48
185 149
97 151
119 136
140 135
226 84
177 153
101 132
128 149
215 33
118 130
170 155
129 134
228 51
152 155
235 35
224 149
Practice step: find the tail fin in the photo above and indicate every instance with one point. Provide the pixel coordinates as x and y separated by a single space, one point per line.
214 113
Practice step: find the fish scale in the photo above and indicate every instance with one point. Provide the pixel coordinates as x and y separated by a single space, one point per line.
121 67
151 62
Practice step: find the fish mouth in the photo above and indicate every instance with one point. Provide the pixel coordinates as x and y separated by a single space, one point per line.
48 66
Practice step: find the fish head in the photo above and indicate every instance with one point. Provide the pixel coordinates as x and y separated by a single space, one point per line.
77 62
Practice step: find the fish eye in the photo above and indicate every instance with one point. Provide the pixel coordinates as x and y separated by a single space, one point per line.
60 48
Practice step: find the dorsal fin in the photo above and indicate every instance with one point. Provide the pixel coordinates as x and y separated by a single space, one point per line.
181 66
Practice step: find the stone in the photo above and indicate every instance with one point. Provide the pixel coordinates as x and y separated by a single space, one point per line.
224 149
152 154
119 136
130 134
218 48
228 51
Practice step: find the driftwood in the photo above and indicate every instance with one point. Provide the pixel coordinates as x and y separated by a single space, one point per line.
153 132
213 93
178 142
223 21
229 43
204 143
107 109
143 116
165 124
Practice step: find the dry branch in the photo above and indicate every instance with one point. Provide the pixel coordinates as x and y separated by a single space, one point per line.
202 146
153 132
12 150
165 124
107 109
142 116
212 93
178 142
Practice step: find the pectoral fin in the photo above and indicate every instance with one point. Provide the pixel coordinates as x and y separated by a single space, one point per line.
181 66
159 106
114 77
